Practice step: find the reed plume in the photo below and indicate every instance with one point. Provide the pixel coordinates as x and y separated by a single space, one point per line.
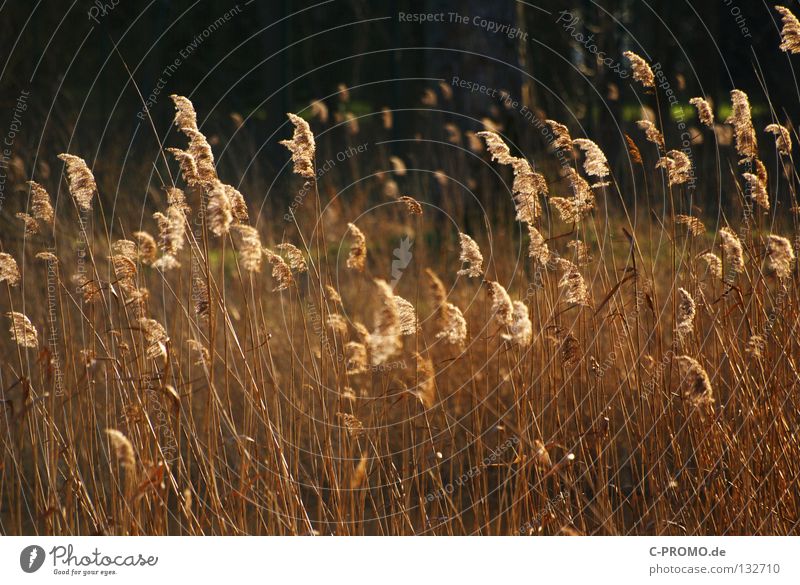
678 167
783 139
705 112
528 185
521 328
219 210
412 205
452 325
732 247
40 204
695 381
633 150
9 271
713 263
561 133
573 284
641 70
82 186
185 114
170 230
355 358
31 227
471 256
123 449
596 164
696 227
23 333
357 258
686 314
147 248
537 248
407 315
385 341
575 208
249 247
438 290
780 256
297 263
582 254
281 271
155 337
502 308
790 33
758 190
742 122
302 147
652 133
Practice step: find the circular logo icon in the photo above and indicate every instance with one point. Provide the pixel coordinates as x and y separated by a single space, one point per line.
31 558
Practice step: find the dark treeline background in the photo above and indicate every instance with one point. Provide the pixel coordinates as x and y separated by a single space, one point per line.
274 56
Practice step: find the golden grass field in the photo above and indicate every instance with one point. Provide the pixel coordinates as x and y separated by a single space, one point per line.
386 362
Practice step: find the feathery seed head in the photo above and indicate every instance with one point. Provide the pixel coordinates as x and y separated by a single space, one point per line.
302 147
471 256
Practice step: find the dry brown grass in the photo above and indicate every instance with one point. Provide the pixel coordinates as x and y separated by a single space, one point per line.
167 384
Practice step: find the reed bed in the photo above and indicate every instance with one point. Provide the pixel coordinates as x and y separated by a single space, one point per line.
565 364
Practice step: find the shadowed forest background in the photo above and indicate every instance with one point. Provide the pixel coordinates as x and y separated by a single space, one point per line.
277 56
